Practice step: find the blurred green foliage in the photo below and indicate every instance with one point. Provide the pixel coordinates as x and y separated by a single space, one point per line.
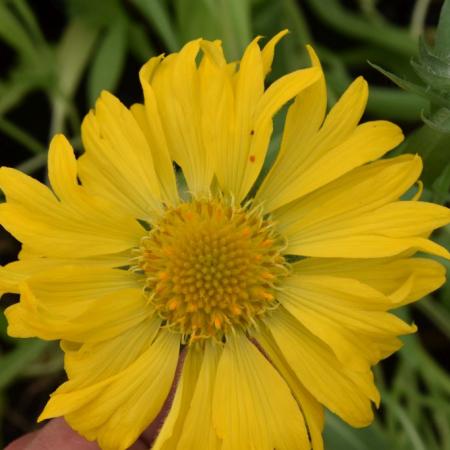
100 43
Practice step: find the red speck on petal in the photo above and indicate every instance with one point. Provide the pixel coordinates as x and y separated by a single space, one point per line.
252 158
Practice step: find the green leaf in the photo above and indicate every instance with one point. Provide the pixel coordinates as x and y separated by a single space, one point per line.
435 312
415 440
3 325
340 436
439 120
236 26
15 34
109 60
228 20
431 68
432 78
394 104
94 13
417 358
442 41
204 19
157 15
433 146
21 136
139 44
11 94
72 54
414 88
27 15
13 363
33 164
299 24
333 14
53 363
441 187
428 57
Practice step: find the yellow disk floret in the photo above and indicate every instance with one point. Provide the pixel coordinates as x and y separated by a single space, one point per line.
210 266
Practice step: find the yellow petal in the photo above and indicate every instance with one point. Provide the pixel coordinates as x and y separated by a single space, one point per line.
316 157
118 163
361 190
254 110
29 264
62 170
14 273
387 231
80 283
169 435
151 122
303 119
341 312
399 219
78 304
402 280
303 144
50 227
20 189
353 217
393 277
175 83
249 88
93 362
148 119
261 126
214 52
105 318
343 118
60 235
343 391
198 431
310 407
217 104
268 51
252 406
367 142
116 410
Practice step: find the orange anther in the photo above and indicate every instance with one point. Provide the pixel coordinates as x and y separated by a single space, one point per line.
192 307
172 304
268 276
267 296
217 322
236 310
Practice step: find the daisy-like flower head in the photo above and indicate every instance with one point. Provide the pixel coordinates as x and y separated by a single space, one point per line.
231 312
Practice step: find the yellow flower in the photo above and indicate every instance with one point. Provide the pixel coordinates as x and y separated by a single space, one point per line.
259 303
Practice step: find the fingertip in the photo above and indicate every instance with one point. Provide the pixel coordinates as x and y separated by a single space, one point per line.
56 434
23 443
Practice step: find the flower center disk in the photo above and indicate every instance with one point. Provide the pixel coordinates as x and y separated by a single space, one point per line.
210 267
